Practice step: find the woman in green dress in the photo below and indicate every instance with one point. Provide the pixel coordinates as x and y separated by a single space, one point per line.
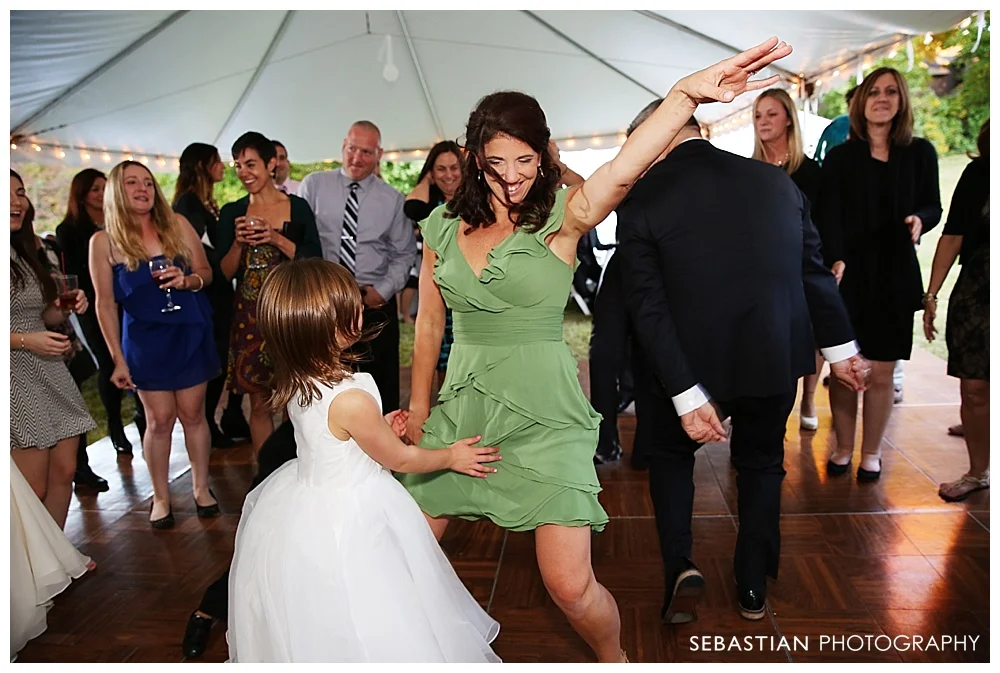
501 256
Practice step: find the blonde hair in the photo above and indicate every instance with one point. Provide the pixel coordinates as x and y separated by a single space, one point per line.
124 230
309 312
902 124
796 153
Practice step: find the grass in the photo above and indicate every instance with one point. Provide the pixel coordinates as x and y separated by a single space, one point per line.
576 326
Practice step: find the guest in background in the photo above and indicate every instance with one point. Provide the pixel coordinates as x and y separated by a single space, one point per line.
47 412
78 360
362 225
437 183
151 262
778 141
966 236
201 168
85 217
281 170
257 233
836 131
878 192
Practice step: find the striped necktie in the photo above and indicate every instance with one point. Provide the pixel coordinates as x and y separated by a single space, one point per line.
349 235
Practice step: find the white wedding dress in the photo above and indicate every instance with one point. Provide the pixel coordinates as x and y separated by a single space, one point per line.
43 562
334 562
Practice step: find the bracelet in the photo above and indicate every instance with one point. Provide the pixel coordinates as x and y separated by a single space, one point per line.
22 342
928 297
201 283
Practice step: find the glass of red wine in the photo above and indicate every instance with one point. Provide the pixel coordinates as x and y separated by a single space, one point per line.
157 266
66 285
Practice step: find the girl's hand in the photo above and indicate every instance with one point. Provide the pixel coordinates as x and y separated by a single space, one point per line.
174 278
415 425
121 377
469 459
48 344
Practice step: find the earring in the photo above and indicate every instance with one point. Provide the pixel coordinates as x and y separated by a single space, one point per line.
479 176
540 171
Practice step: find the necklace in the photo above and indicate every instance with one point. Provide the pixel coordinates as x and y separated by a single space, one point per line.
781 162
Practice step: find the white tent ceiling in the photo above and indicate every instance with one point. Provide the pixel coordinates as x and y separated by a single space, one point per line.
150 82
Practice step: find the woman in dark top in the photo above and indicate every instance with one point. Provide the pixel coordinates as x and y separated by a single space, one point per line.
878 193
966 236
256 233
778 141
84 217
438 181
200 168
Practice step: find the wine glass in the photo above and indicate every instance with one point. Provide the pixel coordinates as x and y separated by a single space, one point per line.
256 224
156 268
66 285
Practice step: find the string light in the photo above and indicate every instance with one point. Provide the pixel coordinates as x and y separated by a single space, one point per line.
836 73
106 157
144 160
13 146
232 163
621 139
160 161
595 141
928 38
892 54
570 142
37 148
61 154
393 156
85 156
130 158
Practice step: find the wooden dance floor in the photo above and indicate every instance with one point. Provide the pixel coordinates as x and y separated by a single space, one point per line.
858 560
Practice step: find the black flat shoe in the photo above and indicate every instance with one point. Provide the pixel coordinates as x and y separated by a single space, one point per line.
868 476
88 478
219 439
165 523
834 469
208 511
196 635
686 587
608 452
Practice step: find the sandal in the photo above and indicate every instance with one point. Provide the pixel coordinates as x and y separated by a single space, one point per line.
961 489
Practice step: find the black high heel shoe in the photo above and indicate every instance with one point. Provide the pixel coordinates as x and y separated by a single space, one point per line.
123 447
165 523
208 511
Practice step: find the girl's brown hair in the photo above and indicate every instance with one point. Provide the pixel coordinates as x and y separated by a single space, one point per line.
309 314
902 123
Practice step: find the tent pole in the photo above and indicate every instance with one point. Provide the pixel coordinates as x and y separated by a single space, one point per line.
278 34
591 54
98 71
701 36
420 75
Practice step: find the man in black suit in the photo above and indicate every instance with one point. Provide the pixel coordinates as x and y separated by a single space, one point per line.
725 284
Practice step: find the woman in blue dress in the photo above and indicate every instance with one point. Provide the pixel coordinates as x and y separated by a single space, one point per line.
150 261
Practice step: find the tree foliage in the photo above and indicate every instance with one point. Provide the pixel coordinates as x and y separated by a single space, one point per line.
952 121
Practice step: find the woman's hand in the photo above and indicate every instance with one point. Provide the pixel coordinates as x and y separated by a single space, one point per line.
916 227
79 305
121 377
930 312
415 425
727 79
268 235
397 421
242 231
174 276
48 344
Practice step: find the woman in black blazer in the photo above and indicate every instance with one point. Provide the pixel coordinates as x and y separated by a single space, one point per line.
200 168
879 192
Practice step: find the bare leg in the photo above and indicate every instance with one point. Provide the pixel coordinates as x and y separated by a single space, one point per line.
809 382
844 405
976 419
161 413
438 526
261 420
197 437
564 560
876 413
34 466
62 465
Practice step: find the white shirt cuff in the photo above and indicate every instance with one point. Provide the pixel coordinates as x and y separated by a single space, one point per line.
690 400
841 352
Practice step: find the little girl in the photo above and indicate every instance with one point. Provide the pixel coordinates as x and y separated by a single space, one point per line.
334 561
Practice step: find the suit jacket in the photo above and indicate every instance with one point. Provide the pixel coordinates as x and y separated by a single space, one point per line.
723 275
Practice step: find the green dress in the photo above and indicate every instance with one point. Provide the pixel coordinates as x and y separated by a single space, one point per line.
512 379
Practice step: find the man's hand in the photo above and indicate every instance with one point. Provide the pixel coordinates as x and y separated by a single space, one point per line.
703 424
916 227
855 372
372 298
838 270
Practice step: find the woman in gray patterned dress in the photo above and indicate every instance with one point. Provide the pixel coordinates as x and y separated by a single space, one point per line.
47 412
